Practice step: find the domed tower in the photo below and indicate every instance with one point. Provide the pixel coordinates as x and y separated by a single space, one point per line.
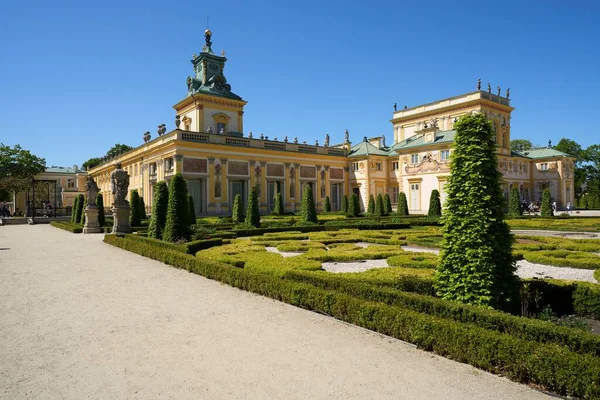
210 106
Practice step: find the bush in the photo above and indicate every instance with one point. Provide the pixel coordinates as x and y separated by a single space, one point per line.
344 204
177 221
73 228
74 210
597 275
279 210
546 209
583 203
158 218
387 204
379 205
327 207
402 204
476 263
371 206
143 208
79 210
435 207
191 210
308 211
563 258
546 364
82 206
100 204
188 248
514 204
135 217
252 211
238 212
353 206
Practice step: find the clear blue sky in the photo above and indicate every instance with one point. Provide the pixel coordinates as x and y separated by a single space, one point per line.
77 77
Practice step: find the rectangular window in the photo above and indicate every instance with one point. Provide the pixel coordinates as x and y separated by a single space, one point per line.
445 155
395 192
71 182
168 163
355 166
135 169
414 159
378 166
395 166
221 128
544 167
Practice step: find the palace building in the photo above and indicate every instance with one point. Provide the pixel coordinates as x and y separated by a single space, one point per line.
219 160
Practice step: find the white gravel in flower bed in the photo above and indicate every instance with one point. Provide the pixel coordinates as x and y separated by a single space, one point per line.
283 253
526 269
354 266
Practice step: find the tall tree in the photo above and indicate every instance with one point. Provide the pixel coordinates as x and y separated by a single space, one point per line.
574 149
520 144
435 206
371 205
91 163
514 203
18 167
177 222
476 264
379 205
252 210
308 209
117 150
402 204
135 216
387 204
546 209
591 157
238 210
156 226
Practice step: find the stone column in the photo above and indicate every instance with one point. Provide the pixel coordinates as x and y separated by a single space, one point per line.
347 190
262 182
213 180
298 198
225 206
287 181
178 160
317 189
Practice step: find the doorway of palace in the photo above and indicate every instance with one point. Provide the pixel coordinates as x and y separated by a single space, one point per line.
415 190
197 188
238 187
337 192
274 187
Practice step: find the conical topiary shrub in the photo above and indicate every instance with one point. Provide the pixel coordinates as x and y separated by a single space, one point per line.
177 223
158 218
546 210
278 210
327 204
379 205
371 206
308 210
135 215
237 215
143 208
100 204
344 204
82 218
402 204
353 206
387 204
252 211
74 210
191 210
80 205
514 203
435 207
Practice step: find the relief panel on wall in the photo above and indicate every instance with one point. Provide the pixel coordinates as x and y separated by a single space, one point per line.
195 165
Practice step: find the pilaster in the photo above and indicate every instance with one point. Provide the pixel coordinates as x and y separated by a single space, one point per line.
178 160
298 197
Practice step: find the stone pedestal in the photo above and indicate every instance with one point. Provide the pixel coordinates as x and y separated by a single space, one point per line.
91 220
121 219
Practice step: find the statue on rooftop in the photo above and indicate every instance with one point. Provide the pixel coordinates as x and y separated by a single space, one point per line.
250 135
508 93
296 140
499 90
489 88
285 139
209 129
327 140
479 84
395 108
346 136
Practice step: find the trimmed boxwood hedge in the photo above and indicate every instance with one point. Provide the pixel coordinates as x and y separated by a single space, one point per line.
545 364
318 228
188 248
563 258
597 275
67 226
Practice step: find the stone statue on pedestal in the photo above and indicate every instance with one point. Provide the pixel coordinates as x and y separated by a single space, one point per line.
91 224
119 183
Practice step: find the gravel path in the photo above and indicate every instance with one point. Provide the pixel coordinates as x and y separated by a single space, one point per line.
562 234
80 319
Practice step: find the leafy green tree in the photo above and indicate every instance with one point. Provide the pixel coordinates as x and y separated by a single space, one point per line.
435 206
520 144
238 210
252 210
278 210
476 264
402 204
79 211
100 204
191 210
353 206
91 163
583 203
387 204
514 203
596 202
117 150
177 222
574 149
143 208
379 205
591 157
74 210
18 167
308 210
327 204
546 209
135 216
371 206
158 219
344 204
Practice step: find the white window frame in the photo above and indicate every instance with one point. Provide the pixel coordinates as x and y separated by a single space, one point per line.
544 167
395 165
444 155
414 158
70 182
354 166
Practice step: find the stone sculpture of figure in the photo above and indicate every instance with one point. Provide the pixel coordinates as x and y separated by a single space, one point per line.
316 142
262 137
221 131
395 107
346 136
91 191
177 121
209 129
405 107
508 93
499 90
479 84
296 140
285 139
489 88
119 183
434 123
326 139
549 144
